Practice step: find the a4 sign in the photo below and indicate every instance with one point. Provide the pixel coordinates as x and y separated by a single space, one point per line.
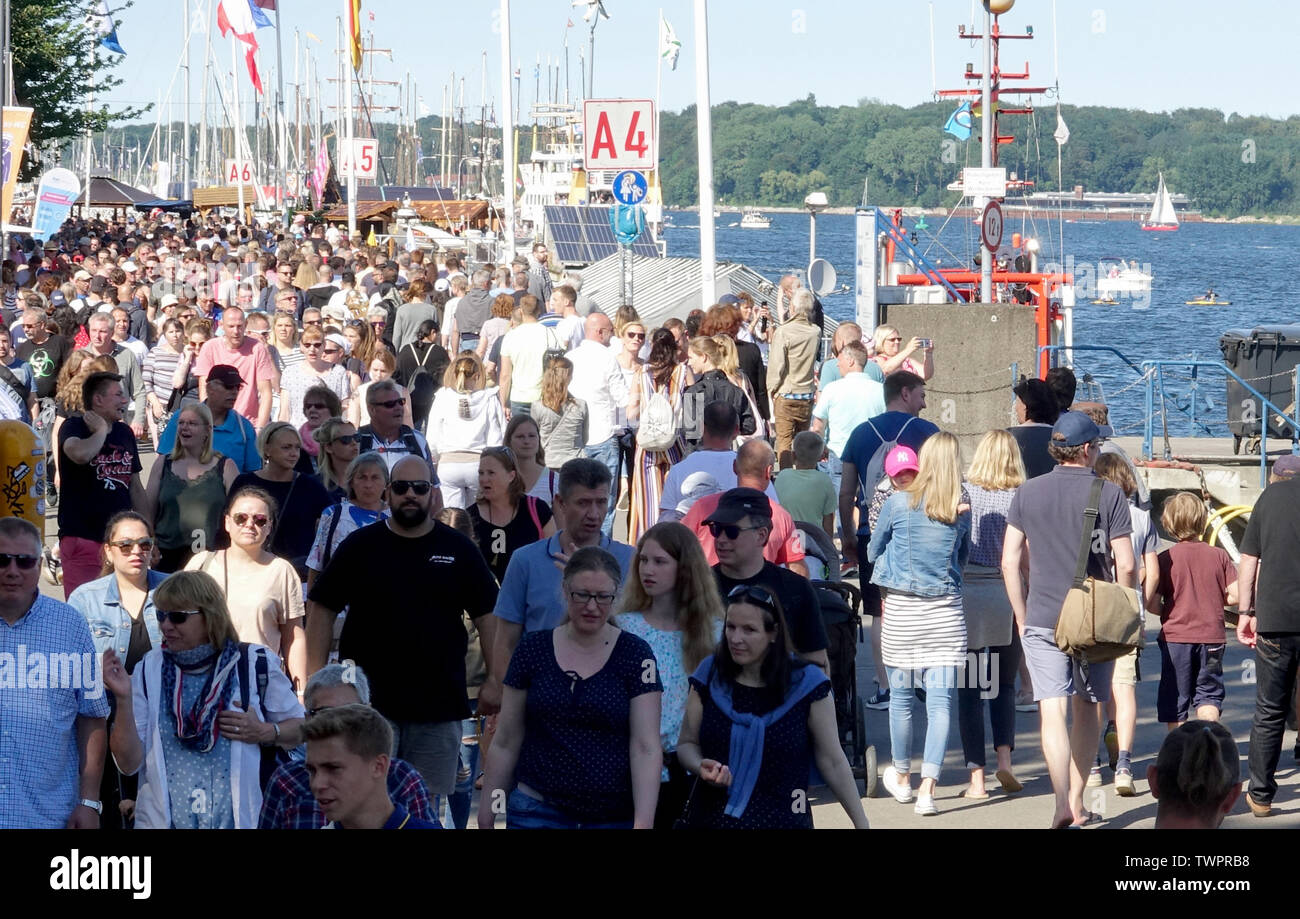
619 134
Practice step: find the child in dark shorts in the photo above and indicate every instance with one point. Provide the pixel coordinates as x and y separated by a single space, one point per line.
1196 581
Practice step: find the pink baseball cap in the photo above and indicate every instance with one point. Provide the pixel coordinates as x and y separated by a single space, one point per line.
901 459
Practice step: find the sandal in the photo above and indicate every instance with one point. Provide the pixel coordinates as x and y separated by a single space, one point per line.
966 793
1010 784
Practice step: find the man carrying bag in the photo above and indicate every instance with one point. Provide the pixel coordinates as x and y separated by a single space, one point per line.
1070 517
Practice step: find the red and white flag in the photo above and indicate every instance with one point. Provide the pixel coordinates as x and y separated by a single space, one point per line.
236 16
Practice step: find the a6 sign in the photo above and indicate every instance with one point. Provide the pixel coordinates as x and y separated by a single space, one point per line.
619 134
365 153
238 173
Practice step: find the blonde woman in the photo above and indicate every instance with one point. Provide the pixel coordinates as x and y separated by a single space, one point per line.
465 418
918 549
891 355
705 357
561 419
995 473
187 490
339 446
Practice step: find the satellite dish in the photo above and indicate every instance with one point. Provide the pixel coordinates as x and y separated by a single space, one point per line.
821 277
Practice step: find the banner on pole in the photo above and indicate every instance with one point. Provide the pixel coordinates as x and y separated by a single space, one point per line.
55 196
13 138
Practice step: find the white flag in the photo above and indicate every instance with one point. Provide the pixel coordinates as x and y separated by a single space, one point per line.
1062 133
669 45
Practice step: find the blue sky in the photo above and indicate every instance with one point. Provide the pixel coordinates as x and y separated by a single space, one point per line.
1156 55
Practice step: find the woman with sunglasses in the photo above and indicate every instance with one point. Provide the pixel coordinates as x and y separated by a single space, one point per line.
504 518
314 370
195 717
758 718
339 445
300 497
671 601
466 417
319 404
337 350
262 591
119 608
362 342
365 501
892 356
918 548
186 491
578 734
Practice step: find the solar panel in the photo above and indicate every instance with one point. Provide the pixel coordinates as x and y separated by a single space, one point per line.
582 235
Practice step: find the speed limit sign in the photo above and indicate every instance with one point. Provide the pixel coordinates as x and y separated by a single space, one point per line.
991 226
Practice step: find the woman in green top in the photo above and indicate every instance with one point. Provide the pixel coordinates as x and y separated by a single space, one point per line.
187 491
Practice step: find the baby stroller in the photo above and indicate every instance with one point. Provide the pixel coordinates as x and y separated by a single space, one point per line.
841 605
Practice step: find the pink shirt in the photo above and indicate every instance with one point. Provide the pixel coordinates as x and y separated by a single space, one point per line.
252 360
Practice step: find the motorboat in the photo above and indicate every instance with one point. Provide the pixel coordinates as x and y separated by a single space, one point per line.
1120 276
754 219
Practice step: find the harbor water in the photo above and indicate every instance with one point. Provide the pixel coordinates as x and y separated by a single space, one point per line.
1246 264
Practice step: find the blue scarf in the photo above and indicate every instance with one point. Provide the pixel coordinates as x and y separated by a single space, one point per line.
196 729
748 730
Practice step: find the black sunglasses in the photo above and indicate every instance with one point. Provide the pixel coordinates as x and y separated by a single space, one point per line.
125 545
346 439
177 617
730 530
24 562
745 593
402 486
390 404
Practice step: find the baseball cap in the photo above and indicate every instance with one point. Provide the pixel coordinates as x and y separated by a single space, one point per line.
901 459
334 312
169 300
729 300
99 283
57 299
1073 429
340 341
738 503
83 275
226 375
694 487
129 266
1286 466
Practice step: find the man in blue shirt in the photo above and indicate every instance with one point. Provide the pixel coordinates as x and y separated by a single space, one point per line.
530 599
233 435
347 758
904 400
52 696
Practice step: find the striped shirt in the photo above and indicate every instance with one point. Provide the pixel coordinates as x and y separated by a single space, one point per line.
157 372
923 631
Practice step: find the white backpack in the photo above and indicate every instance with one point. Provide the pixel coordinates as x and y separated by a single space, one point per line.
659 422
875 472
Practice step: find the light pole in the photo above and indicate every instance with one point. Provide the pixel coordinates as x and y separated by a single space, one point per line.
815 203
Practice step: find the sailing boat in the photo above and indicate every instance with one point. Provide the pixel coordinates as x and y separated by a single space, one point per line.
1162 211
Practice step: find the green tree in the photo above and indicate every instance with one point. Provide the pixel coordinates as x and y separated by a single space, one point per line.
54 71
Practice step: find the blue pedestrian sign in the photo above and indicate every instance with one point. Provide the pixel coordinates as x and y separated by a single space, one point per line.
630 187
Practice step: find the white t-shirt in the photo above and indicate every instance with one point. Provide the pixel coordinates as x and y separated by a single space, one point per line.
525 345
715 464
570 331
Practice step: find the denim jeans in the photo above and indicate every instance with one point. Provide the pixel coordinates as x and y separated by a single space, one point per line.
458 803
524 812
1276 660
1001 699
940 687
606 453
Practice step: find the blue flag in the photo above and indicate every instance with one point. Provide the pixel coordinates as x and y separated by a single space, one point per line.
259 17
101 21
959 122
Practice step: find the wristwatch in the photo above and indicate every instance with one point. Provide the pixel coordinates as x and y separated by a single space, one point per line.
96 806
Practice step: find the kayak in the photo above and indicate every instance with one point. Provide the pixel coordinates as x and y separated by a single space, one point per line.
1202 301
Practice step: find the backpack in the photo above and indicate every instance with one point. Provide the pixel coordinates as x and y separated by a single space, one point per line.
659 423
367 441
391 301
422 385
876 465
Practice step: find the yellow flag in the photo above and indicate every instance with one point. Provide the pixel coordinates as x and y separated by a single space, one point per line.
17 122
372 239
354 31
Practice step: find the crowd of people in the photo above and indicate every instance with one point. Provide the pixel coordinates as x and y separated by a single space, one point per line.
378 541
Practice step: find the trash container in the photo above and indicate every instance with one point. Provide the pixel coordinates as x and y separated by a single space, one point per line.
1265 358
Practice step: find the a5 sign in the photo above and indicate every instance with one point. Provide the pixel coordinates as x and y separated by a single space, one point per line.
365 153
238 173
619 134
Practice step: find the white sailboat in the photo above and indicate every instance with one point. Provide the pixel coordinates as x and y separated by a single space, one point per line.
1162 210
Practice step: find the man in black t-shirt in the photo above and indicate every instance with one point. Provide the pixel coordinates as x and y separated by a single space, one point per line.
45 354
741 525
406 583
100 466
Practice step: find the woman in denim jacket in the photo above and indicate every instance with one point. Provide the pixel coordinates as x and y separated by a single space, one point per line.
918 549
119 609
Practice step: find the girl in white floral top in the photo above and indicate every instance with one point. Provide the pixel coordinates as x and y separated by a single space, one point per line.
671 602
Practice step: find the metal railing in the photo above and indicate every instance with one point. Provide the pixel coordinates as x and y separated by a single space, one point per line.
928 268
1155 369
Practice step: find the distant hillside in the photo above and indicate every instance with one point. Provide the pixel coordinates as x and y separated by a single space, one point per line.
1229 166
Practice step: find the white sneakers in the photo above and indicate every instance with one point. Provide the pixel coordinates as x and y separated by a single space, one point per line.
902 793
925 806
